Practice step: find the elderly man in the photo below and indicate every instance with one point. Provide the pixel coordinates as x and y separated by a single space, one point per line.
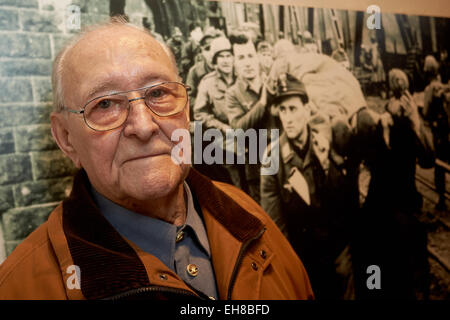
314 193
138 224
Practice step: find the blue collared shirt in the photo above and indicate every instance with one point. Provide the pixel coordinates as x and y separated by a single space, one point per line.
159 238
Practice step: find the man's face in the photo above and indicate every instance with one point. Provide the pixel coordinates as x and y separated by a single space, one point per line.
133 162
266 58
224 61
178 37
206 51
294 116
246 60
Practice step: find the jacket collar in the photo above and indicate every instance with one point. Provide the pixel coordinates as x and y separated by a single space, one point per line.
103 256
108 263
222 83
244 86
239 222
288 154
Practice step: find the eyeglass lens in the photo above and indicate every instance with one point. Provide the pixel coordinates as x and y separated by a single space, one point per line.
109 112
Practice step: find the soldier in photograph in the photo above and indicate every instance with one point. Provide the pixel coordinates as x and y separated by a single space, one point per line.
312 197
204 66
437 111
246 100
388 233
265 54
175 44
191 51
210 107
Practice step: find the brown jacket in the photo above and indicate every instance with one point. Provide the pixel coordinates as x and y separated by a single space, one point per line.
251 258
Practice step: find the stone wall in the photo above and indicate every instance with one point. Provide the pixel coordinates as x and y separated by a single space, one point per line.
34 174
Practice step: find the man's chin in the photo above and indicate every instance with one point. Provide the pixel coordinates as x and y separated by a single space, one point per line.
148 187
249 75
226 70
152 182
292 135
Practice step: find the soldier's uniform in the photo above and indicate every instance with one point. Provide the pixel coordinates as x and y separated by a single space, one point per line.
318 231
245 112
312 198
175 44
190 54
201 67
210 107
195 75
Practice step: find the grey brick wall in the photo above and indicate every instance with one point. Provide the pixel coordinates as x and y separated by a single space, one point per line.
34 174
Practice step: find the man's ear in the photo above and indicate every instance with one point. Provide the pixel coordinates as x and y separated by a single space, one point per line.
61 135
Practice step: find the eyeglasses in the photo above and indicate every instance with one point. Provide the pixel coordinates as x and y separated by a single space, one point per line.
110 111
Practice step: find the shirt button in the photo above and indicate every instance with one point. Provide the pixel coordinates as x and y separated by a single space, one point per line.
192 269
180 236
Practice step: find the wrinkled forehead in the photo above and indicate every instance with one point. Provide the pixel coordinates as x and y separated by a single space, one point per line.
109 42
112 54
129 37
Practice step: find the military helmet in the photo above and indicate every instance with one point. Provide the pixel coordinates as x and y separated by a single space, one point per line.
287 85
209 33
218 45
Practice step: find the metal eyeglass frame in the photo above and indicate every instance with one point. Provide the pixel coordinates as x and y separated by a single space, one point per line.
186 87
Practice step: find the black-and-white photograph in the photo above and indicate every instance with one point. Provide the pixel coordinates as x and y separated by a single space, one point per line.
328 127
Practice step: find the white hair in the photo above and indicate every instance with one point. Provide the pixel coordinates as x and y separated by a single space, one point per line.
58 63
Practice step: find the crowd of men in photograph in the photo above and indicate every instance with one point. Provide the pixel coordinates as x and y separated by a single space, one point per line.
329 141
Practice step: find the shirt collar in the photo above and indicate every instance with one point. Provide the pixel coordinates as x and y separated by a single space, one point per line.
245 85
223 81
194 221
152 235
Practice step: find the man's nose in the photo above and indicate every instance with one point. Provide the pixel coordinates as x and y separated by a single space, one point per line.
289 117
140 122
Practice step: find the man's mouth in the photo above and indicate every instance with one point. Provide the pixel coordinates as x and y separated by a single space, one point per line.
146 156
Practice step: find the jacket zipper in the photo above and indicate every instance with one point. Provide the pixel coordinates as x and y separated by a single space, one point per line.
143 290
239 260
